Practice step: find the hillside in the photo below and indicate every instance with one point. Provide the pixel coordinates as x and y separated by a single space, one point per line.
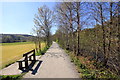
9 38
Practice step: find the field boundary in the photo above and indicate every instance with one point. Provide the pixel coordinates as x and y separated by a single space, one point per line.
15 43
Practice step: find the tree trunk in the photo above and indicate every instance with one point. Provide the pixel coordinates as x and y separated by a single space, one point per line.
110 28
103 36
78 29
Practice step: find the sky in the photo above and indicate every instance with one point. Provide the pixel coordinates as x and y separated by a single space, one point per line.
17 17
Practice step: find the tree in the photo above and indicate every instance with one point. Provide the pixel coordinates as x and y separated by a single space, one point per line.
44 21
37 39
65 10
77 10
100 17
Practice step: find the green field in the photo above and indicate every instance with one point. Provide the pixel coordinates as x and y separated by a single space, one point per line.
13 51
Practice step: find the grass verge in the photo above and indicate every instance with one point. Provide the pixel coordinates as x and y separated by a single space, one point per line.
11 77
43 51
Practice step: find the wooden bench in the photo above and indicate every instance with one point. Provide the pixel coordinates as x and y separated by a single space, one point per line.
29 56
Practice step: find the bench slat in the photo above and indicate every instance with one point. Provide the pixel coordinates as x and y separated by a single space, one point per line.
28 52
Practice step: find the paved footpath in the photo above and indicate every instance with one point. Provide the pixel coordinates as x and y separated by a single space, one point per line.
54 64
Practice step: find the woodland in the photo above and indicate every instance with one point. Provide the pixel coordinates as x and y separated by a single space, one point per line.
87 30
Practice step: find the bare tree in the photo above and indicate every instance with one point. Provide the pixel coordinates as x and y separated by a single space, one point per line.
77 7
99 10
65 19
37 38
44 21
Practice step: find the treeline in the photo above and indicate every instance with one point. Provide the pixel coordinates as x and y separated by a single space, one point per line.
91 30
9 38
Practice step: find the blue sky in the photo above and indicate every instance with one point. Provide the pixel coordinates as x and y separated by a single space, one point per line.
17 17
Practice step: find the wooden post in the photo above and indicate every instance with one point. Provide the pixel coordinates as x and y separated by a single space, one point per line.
26 62
20 65
30 58
34 58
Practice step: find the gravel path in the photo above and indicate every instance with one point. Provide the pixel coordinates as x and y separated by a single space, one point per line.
54 64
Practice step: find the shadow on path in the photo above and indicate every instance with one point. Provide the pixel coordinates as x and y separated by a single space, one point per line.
36 68
31 66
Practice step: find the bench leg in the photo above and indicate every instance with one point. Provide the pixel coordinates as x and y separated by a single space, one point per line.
26 64
34 58
30 58
20 65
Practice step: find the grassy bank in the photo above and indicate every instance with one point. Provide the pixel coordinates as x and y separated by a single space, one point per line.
13 51
88 71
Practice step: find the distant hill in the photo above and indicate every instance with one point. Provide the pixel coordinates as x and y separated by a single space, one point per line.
9 38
